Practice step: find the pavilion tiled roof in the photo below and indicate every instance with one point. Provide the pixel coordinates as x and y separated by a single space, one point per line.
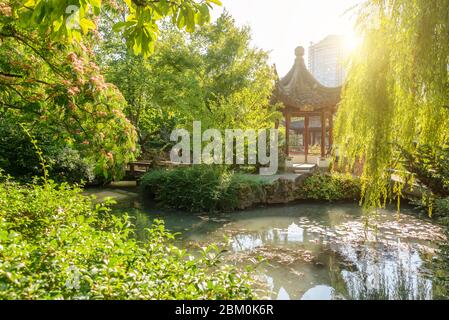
300 90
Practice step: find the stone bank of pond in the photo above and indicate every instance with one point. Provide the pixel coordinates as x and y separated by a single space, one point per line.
319 251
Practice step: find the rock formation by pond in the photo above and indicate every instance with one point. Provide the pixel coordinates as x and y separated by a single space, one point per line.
279 189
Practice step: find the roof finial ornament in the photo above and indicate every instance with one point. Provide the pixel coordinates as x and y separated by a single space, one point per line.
299 51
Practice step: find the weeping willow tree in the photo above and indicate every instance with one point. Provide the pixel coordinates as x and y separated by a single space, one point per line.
397 92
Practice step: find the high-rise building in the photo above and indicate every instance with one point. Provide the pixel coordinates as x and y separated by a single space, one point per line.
326 61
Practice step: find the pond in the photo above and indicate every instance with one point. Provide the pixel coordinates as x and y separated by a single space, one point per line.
317 251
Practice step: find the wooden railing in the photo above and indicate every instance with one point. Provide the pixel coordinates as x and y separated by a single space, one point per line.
137 169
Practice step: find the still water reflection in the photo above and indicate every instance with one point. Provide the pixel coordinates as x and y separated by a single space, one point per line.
315 251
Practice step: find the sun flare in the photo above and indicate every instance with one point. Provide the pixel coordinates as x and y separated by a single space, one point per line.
352 41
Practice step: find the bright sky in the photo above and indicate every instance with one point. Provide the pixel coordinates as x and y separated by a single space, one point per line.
279 26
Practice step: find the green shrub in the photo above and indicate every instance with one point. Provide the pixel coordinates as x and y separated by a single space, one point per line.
18 156
430 166
330 187
434 206
198 188
211 188
67 165
441 208
54 244
440 269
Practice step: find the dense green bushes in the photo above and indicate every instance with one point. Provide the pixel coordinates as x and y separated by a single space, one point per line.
441 209
19 159
197 188
55 245
67 165
430 167
208 188
330 187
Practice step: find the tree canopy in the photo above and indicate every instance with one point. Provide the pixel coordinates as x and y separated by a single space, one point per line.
213 75
49 79
73 19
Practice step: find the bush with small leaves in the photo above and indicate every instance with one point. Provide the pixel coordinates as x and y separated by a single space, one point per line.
55 244
199 188
330 187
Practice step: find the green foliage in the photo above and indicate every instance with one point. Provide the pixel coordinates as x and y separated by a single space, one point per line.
67 165
235 78
69 20
18 156
136 78
212 188
47 73
430 166
441 208
440 268
198 188
330 187
397 90
213 75
435 207
50 87
54 244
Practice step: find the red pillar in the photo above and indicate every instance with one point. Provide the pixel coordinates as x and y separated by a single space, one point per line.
331 130
306 137
287 134
323 135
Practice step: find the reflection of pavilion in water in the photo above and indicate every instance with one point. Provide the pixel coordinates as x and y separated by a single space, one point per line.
293 234
370 271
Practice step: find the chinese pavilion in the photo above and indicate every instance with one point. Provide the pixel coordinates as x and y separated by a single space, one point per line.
308 110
